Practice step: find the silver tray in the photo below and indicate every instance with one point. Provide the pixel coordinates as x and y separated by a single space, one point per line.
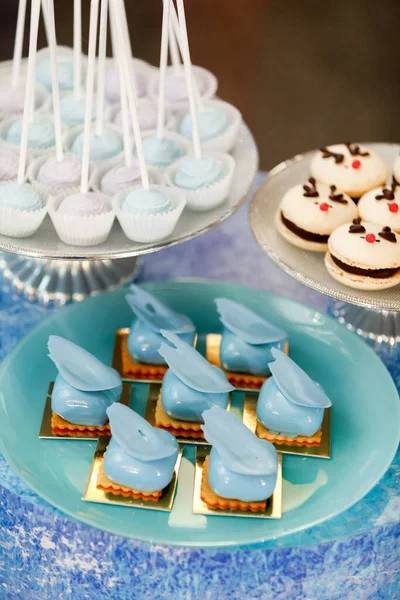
45 243
308 267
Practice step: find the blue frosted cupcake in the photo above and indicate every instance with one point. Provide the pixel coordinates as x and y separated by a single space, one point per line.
22 209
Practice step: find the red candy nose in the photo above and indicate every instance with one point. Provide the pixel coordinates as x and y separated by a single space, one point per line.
370 238
394 207
324 206
356 164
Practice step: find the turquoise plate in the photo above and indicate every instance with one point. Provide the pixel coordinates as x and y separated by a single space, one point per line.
365 419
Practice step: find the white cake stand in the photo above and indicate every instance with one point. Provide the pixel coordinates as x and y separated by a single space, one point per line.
372 314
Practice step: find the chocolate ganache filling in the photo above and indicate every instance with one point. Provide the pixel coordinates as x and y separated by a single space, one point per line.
303 233
375 273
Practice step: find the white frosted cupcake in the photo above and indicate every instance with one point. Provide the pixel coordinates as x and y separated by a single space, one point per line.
205 181
351 167
382 206
22 209
176 94
142 70
12 100
218 125
111 180
149 215
364 256
50 177
309 213
147 116
9 162
81 219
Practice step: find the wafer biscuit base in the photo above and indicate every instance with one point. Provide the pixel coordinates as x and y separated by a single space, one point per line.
60 426
214 501
279 439
109 487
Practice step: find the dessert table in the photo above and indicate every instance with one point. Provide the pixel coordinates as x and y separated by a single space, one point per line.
45 555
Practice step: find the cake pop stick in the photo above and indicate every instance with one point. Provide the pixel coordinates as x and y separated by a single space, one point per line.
94 14
77 48
177 36
45 14
101 67
126 61
30 88
189 79
124 99
163 67
173 48
19 39
51 31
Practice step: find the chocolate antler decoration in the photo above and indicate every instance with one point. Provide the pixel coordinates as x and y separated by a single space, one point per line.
356 226
337 197
326 153
388 235
310 191
355 150
388 194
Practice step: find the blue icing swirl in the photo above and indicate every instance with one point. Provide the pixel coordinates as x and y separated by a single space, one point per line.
65 73
146 202
191 383
103 146
194 173
241 466
73 110
247 339
20 196
139 456
40 133
145 336
80 407
211 122
84 386
290 402
161 152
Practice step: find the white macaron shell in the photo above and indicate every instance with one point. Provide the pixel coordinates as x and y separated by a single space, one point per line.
353 248
304 211
377 211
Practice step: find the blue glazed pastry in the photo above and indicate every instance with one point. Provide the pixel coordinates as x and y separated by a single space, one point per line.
290 402
73 110
241 466
84 387
146 202
211 121
191 385
102 147
20 196
152 316
65 72
247 339
138 456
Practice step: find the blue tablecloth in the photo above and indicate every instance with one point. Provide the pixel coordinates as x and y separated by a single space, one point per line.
44 555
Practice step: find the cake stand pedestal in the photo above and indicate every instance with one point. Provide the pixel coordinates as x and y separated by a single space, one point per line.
375 315
56 282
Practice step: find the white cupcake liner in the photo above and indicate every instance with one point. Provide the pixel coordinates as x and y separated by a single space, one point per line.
145 69
170 120
71 134
225 141
33 152
210 196
80 231
45 190
183 142
98 172
20 223
179 105
150 228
